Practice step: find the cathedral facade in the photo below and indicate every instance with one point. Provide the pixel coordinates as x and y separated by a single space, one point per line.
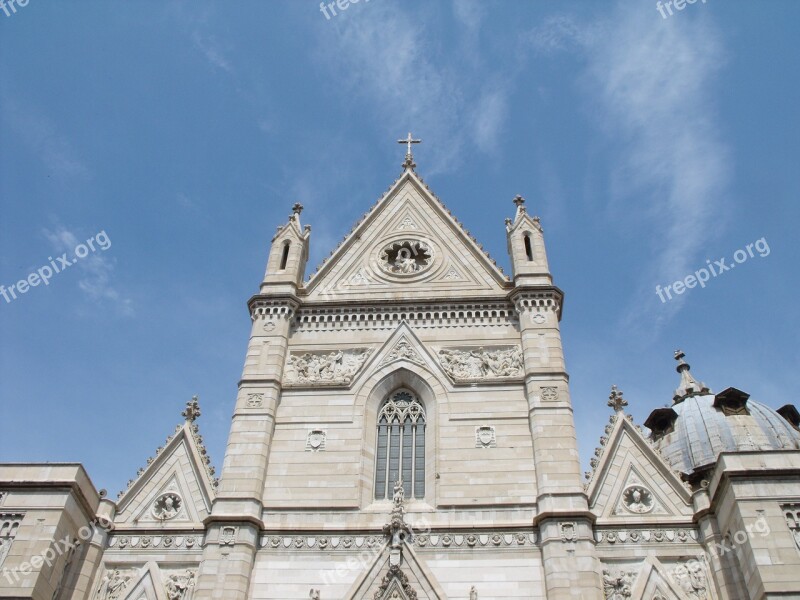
403 430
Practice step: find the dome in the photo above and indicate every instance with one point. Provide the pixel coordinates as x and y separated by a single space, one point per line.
700 425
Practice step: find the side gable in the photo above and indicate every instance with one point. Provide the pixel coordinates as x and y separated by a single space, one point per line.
449 258
632 482
175 488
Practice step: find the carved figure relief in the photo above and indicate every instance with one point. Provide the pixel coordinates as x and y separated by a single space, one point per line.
473 593
485 437
617 585
167 506
637 499
468 364
315 441
179 585
406 257
335 367
112 585
402 350
691 578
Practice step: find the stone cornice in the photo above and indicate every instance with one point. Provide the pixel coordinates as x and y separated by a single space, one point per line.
276 305
538 298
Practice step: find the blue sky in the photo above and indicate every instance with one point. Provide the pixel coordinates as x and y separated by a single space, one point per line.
186 130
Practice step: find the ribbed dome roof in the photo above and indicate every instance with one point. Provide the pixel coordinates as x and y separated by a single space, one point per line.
703 426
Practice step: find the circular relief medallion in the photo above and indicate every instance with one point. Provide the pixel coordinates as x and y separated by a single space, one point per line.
167 506
637 499
406 257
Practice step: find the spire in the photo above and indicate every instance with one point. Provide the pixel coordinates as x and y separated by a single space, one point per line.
689 385
408 163
192 410
615 399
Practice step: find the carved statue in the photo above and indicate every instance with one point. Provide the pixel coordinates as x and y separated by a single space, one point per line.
617 585
405 263
399 493
314 594
473 593
167 506
178 586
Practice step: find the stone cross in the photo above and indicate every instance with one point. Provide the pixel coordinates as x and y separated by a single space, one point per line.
409 162
615 400
192 410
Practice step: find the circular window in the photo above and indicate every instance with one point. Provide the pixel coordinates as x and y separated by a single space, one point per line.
167 506
637 499
406 257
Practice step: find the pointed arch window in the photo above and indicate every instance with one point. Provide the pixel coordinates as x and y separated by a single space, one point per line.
401 446
528 249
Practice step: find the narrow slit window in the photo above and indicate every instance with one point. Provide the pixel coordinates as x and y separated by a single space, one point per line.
400 452
528 250
285 255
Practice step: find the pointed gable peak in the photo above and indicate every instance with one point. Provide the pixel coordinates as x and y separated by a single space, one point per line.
292 226
408 192
188 433
522 217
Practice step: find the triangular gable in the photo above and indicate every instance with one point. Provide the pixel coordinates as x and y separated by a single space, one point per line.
402 346
388 572
148 586
175 488
654 582
632 482
409 211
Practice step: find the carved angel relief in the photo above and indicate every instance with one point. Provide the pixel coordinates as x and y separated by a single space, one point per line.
480 363
336 367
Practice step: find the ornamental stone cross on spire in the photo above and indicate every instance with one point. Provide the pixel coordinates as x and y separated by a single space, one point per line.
409 162
615 400
192 410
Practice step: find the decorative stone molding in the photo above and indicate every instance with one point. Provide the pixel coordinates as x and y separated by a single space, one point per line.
485 437
227 535
255 400
539 302
315 442
447 539
337 367
167 506
569 531
452 275
407 223
327 319
792 514
478 364
549 393
646 536
176 541
618 585
271 309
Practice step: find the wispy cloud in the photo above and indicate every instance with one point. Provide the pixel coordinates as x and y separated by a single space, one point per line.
208 45
41 136
96 270
386 57
651 87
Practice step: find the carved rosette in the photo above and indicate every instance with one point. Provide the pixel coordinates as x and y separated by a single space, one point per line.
337 367
405 257
482 364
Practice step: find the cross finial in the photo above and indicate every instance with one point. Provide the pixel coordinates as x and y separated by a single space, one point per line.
409 162
519 200
192 410
615 399
297 208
